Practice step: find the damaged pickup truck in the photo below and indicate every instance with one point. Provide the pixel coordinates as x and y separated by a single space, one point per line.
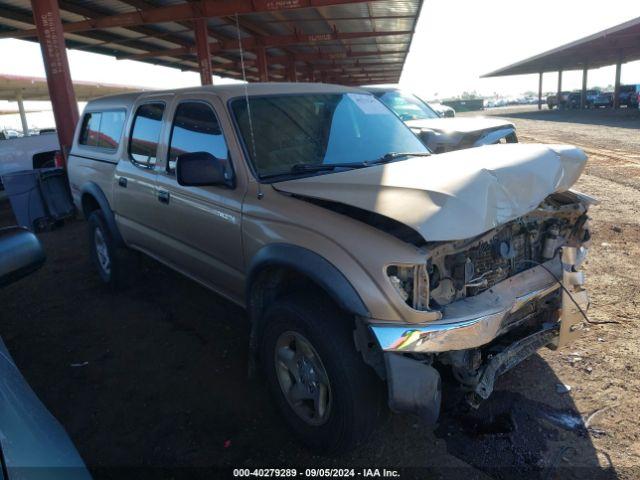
367 265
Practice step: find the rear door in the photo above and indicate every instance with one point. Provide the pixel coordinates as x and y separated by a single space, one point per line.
135 182
201 226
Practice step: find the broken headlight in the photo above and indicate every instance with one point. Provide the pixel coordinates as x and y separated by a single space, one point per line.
412 284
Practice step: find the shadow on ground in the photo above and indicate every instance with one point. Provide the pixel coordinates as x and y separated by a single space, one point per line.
623 118
156 377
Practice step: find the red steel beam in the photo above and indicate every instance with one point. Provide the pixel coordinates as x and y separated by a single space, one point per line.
292 74
298 21
46 16
202 48
266 41
187 11
311 57
261 61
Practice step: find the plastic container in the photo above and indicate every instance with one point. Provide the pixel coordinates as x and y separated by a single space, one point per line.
39 198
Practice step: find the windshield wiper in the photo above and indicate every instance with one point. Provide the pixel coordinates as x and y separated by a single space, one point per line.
391 156
322 167
318 167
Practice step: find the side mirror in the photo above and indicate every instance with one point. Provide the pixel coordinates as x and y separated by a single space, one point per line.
200 169
20 254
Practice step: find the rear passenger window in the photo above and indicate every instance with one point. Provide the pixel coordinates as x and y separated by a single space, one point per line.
145 134
102 129
196 129
90 129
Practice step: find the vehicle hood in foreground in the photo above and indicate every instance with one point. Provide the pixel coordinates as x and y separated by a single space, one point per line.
458 124
34 445
452 196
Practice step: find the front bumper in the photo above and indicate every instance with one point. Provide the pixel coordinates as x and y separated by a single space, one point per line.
476 321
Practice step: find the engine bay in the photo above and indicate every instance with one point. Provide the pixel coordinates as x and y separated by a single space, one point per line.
466 268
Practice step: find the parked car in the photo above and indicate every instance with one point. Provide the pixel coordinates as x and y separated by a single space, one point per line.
603 99
7 134
574 99
442 110
444 134
26 153
33 445
552 100
629 95
361 259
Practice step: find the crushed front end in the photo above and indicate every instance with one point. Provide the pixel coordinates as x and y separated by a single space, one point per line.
499 297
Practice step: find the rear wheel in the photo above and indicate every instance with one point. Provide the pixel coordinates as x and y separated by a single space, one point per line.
106 255
328 396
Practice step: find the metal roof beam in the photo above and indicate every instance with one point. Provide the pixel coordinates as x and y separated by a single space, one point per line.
187 11
343 55
340 19
266 41
103 38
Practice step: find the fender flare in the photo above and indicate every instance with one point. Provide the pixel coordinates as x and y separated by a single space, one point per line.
312 265
96 192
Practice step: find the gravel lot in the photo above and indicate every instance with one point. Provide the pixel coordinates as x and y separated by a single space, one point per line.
165 385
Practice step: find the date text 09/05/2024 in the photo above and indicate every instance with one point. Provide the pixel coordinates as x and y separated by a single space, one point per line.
316 473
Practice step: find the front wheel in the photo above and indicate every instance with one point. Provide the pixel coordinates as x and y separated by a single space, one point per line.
329 397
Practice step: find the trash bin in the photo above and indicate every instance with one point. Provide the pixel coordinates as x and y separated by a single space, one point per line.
54 188
39 198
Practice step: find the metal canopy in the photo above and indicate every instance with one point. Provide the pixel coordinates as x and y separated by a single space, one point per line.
342 41
614 45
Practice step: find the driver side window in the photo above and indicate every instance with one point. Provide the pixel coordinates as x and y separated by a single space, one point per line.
196 129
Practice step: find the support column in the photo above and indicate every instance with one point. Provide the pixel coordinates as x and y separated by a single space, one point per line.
558 96
23 115
583 93
261 60
616 88
292 74
46 16
204 54
540 91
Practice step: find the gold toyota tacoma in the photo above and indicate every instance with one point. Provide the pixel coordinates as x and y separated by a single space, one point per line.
367 266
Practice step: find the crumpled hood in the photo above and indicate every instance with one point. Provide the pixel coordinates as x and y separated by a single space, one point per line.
459 124
453 196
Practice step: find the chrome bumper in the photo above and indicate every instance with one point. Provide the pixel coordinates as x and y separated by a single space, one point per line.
476 321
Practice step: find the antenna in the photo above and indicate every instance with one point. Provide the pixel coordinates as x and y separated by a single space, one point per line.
246 99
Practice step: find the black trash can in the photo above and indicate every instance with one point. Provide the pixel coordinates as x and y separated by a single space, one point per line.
39 198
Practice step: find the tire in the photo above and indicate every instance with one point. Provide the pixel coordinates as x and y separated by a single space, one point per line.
106 255
354 397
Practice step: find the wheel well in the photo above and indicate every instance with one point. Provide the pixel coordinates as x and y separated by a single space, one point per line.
42 158
89 204
272 283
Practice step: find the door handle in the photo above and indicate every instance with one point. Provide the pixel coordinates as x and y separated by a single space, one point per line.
163 196
122 181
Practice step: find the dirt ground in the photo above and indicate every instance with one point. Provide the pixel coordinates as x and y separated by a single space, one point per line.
152 381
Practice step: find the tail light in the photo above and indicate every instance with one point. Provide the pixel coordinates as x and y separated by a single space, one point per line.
58 159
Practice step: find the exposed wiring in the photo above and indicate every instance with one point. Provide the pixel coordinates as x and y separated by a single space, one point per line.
582 312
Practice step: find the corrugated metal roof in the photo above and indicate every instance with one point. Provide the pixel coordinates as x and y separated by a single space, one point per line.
616 44
331 52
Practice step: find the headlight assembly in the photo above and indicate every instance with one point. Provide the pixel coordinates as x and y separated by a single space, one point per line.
412 284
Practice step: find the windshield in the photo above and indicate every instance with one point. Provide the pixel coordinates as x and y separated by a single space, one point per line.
318 129
406 106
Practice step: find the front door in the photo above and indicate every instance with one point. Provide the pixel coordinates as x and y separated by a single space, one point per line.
201 225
